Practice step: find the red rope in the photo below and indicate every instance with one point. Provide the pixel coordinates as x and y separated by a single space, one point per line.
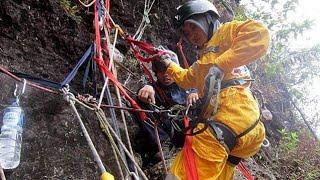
133 103
159 147
184 62
107 19
102 65
189 161
97 30
147 73
137 46
29 83
245 171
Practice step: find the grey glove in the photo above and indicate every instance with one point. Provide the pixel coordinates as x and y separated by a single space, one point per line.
164 61
169 55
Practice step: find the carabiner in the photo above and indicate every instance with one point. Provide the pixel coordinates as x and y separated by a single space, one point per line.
17 93
265 143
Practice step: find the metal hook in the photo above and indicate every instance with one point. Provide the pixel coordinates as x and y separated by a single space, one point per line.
18 94
265 143
187 111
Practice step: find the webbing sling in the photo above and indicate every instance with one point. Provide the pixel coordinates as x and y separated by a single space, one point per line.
189 160
87 55
154 53
43 82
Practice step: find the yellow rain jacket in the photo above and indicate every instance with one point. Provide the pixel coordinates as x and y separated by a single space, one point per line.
234 45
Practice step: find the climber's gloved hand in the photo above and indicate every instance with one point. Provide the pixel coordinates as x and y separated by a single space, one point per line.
168 57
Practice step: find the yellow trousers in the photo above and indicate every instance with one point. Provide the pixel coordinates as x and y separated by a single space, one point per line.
238 110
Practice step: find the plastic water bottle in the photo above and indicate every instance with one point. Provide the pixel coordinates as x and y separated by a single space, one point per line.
11 136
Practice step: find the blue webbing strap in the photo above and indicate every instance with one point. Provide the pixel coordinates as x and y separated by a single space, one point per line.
86 74
43 82
87 55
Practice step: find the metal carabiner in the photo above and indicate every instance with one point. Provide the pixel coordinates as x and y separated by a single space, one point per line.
265 143
17 93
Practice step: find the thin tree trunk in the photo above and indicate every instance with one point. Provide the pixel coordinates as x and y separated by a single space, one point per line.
305 120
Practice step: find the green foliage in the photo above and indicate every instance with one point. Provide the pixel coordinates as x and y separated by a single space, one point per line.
296 93
282 73
273 70
240 14
72 9
289 140
300 155
281 57
285 67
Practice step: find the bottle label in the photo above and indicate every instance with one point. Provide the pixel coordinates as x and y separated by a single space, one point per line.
11 118
4 143
9 133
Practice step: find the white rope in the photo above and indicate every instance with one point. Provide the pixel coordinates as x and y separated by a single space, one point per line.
160 148
114 147
125 149
123 117
3 177
101 115
145 19
111 62
83 104
68 97
86 5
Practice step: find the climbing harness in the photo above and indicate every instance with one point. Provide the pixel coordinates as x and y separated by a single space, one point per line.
225 135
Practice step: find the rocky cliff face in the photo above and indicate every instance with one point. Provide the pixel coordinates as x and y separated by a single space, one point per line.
41 39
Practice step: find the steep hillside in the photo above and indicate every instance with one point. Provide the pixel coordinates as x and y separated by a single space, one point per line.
45 39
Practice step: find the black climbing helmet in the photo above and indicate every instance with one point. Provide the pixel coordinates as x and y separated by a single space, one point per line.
191 8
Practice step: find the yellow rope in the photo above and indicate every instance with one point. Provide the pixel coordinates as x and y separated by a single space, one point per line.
114 147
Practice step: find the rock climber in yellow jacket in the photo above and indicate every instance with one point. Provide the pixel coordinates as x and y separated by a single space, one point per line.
228 47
